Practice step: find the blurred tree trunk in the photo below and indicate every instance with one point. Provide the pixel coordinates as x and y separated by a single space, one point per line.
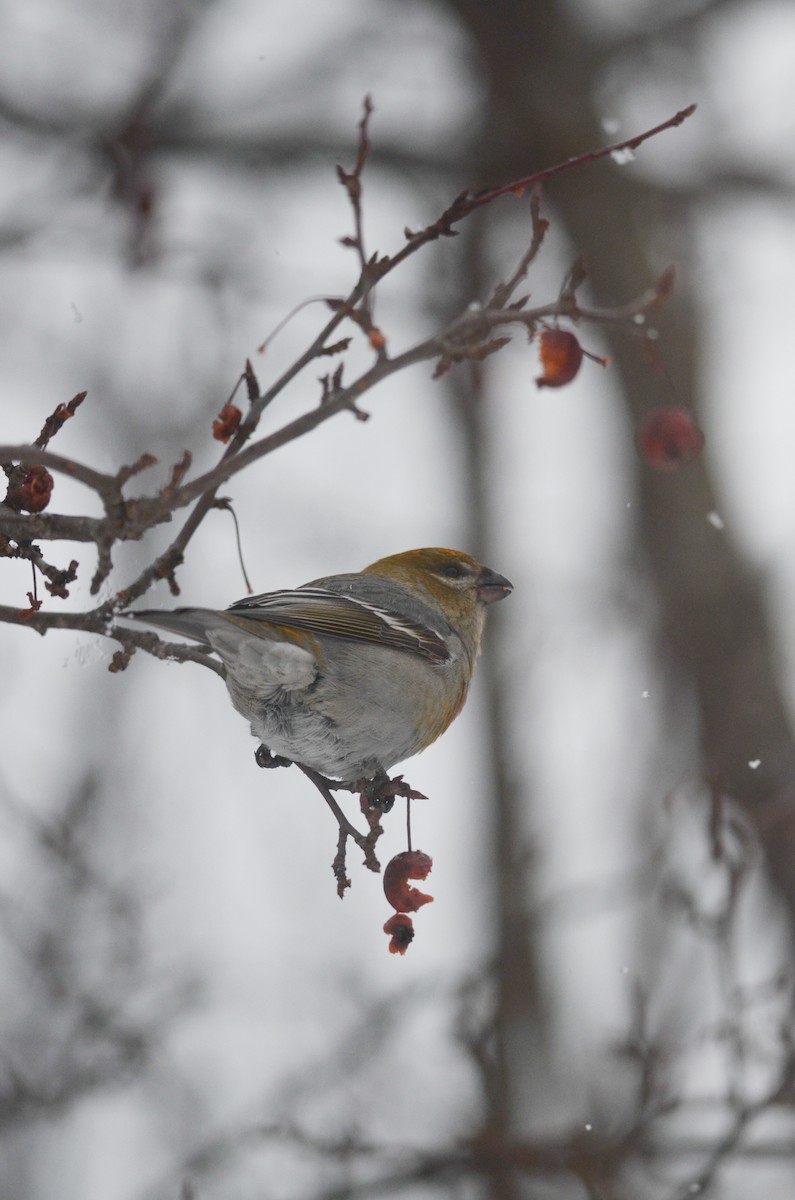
515 1071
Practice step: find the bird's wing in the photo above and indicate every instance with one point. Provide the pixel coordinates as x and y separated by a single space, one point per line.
256 657
329 614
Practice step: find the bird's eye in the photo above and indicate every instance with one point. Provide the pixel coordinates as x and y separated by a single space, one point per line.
453 571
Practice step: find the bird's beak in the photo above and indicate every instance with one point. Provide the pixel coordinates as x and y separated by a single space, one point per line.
491 586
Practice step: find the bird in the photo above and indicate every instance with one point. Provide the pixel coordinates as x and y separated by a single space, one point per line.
350 674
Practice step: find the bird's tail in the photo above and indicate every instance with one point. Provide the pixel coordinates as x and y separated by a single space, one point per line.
192 623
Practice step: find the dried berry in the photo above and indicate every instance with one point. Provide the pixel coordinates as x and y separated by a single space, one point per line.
668 438
561 357
33 491
227 422
401 933
411 864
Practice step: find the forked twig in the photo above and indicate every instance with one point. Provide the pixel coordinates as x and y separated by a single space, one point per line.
365 842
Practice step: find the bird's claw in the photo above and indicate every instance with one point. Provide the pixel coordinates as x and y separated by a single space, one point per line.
264 758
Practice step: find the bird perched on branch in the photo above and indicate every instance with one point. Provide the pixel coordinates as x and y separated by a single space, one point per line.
351 674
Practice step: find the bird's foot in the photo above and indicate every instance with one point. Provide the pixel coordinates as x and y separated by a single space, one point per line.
264 758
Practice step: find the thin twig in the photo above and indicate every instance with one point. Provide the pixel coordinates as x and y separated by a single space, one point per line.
578 160
365 842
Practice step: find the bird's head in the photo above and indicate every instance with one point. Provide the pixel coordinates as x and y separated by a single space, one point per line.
453 581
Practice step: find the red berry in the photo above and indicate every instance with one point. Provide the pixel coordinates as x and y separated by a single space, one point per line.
400 929
561 357
411 864
227 422
668 438
31 492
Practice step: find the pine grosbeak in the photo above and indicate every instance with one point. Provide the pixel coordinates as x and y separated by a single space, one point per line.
352 673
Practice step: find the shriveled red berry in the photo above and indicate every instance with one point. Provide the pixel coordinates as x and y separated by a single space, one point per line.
227 422
668 438
32 492
411 864
401 933
561 357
